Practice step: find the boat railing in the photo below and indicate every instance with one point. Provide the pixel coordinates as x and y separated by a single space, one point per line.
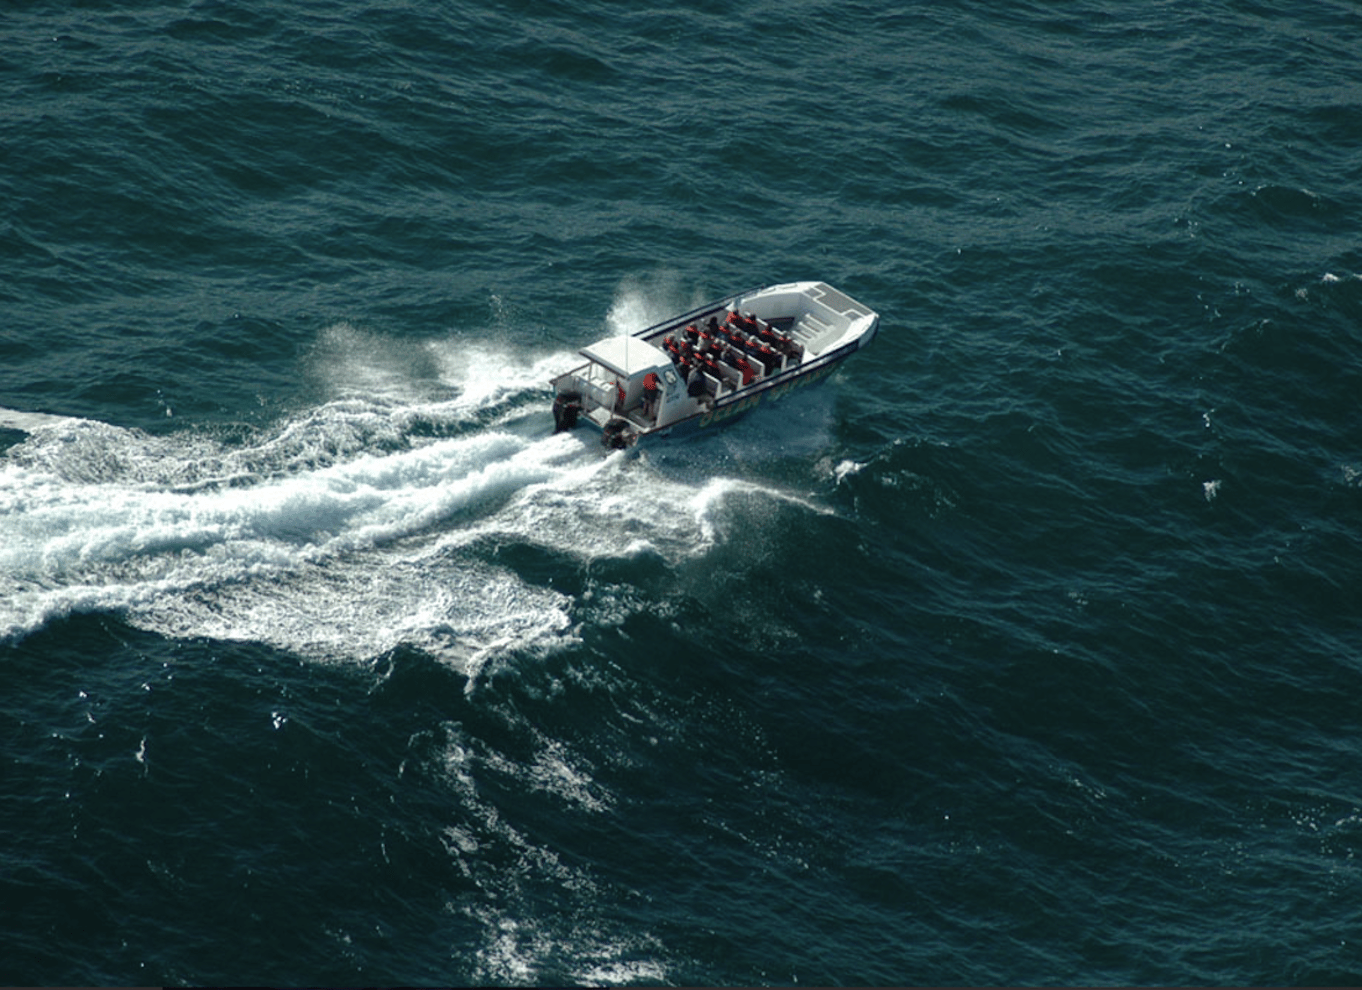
698 313
594 394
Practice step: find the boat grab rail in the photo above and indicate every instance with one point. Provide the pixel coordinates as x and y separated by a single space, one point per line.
698 312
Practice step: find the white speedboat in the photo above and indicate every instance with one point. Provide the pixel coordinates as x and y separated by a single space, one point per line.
713 364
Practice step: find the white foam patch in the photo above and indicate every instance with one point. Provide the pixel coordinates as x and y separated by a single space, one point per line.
27 422
845 469
518 951
470 377
485 377
521 943
616 510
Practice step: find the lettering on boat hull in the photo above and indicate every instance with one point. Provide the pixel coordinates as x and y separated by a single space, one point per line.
723 413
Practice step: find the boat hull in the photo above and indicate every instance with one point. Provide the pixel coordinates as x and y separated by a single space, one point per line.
652 384
739 404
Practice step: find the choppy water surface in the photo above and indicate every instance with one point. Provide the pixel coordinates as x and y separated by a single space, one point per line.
1026 650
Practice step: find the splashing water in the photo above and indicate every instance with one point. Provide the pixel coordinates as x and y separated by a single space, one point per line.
348 528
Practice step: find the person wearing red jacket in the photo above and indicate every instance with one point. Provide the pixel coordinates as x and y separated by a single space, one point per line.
652 391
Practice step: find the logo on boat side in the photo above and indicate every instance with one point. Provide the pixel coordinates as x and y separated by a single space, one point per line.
721 413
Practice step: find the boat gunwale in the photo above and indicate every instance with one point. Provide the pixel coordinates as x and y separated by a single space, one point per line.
748 392
710 307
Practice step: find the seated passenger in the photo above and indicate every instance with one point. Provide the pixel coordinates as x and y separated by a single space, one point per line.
745 366
768 358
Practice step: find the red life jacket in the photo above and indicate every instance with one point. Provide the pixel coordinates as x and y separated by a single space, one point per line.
650 383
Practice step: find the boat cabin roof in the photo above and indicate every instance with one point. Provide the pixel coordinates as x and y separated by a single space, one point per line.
627 356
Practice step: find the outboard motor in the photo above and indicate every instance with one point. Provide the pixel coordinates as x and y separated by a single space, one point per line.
617 434
566 406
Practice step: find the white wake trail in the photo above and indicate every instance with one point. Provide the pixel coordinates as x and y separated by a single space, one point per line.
265 545
364 523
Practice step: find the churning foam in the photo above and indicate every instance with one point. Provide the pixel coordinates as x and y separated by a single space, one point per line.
368 521
319 538
335 549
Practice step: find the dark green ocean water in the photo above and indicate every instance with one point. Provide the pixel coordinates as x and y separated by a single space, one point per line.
1026 650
